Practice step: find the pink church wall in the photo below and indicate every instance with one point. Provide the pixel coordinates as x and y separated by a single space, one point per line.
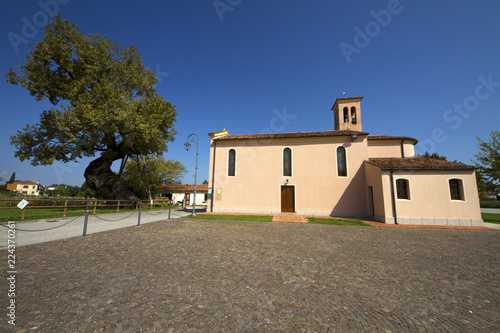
318 188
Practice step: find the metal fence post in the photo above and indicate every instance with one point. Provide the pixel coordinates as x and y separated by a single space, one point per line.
85 221
139 218
169 208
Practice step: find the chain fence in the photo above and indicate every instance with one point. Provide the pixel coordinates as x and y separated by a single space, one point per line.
118 220
86 217
155 213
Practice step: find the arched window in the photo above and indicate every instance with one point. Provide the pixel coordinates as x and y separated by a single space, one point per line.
346 114
341 162
456 189
353 115
403 189
287 162
231 167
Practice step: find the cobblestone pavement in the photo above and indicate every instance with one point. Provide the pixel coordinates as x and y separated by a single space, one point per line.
219 276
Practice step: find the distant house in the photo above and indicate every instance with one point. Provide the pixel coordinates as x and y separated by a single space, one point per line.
27 187
179 192
344 172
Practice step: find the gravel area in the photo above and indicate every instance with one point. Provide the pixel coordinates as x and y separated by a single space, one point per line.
222 276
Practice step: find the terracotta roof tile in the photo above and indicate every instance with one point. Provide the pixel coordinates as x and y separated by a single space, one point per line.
417 163
392 137
30 182
174 188
290 135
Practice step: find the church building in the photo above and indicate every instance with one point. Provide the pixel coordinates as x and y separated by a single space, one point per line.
345 172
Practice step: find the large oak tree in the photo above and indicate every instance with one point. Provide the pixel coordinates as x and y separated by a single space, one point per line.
104 103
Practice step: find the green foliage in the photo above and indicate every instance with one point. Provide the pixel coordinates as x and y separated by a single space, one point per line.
488 163
63 190
159 172
436 156
12 178
87 192
489 204
103 96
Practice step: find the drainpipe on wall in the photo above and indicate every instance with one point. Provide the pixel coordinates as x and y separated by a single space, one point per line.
393 199
403 148
213 180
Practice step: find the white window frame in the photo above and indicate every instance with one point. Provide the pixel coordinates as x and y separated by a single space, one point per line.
283 162
408 190
227 162
337 162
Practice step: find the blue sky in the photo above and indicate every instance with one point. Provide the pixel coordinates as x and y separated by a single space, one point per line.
426 69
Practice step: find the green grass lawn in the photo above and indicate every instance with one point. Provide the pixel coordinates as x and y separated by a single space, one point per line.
491 218
356 222
257 218
254 218
39 213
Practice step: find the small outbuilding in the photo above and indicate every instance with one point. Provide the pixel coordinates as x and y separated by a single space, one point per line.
180 193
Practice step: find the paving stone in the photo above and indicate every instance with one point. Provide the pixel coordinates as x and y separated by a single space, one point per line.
224 276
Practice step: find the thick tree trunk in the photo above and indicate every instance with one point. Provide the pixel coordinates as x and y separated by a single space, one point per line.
106 183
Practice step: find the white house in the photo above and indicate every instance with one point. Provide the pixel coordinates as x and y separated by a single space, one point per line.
185 192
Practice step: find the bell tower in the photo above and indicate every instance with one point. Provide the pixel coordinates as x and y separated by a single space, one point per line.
347 113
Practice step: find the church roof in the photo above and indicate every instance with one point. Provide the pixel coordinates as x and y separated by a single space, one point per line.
417 163
289 135
392 137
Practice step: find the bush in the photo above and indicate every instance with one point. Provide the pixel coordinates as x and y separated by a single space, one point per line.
490 204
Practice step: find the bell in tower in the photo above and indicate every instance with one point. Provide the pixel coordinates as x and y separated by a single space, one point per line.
347 113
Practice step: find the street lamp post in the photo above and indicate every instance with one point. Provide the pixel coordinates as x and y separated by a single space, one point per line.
187 145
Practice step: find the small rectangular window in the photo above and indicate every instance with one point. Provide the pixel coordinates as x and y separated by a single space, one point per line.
341 162
403 189
231 167
456 189
287 162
